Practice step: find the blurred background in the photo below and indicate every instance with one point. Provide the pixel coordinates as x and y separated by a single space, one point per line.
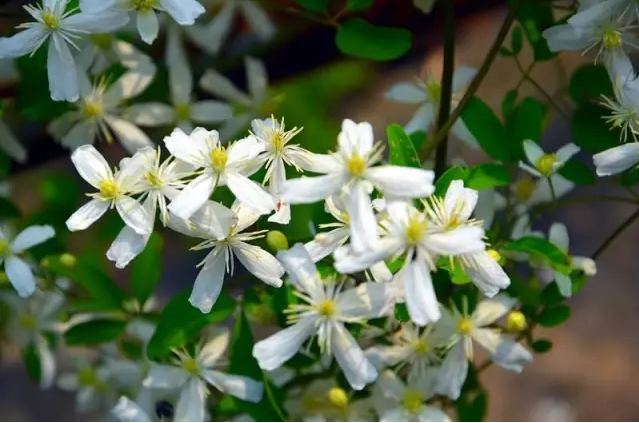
590 373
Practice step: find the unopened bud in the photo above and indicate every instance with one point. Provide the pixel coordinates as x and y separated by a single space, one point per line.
68 260
516 321
494 255
338 397
276 241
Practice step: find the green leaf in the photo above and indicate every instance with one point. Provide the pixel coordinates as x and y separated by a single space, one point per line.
505 52
146 269
590 131
472 408
534 17
31 361
455 172
550 296
542 248
60 190
487 129
542 346
358 38
516 40
99 331
418 138
355 5
401 312
180 322
578 173
487 175
508 104
402 152
525 123
554 316
242 362
590 82
319 6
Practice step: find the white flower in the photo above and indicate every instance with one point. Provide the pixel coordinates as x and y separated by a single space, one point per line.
410 233
10 144
30 321
428 94
184 111
464 329
545 165
221 166
192 375
325 312
623 106
617 159
128 411
99 51
91 383
60 28
113 191
250 105
528 192
184 12
220 26
96 113
225 245
350 167
399 402
18 271
157 181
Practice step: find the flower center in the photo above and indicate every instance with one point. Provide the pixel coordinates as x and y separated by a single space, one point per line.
412 401
27 321
494 255
326 308
50 20
434 90
191 366
453 223
5 248
278 141
87 377
338 397
92 109
108 189
524 189
144 5
344 216
421 347
183 111
415 229
356 165
102 41
219 159
546 164
611 38
153 179
464 326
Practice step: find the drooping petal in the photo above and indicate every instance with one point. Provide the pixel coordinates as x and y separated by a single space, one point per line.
487 274
259 262
402 182
585 264
214 347
405 92
86 215
310 190
129 135
564 283
191 406
184 12
452 373
148 26
257 79
505 352
325 243
351 359
617 159
163 376
150 114
363 225
134 215
240 387
20 275
131 83
490 310
24 42
301 270
33 235
463 240
128 411
566 38
275 350
126 246
420 295
193 196
208 283
211 111
432 414
250 193
366 301
63 84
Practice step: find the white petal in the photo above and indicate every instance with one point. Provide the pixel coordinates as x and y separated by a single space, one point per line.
420 295
80 134
219 27
363 225
20 275
103 22
24 42
566 152
91 165
61 69
367 301
463 240
214 347
558 235
317 163
128 411
382 356
134 215
310 190
259 263
460 201
217 84
453 372
395 415
132 58
184 12
258 20
487 274
355 138
275 350
325 243
490 310
301 270
564 283
240 387
10 144
131 83
380 272
180 76
193 196
462 77
150 114
432 414
422 119
214 220
405 92
191 406
208 284
403 182
348 262
165 377
190 149
281 214
617 159
256 78
249 192
86 215
585 264
565 38
33 235
148 25
244 150
533 152
505 352
351 359
129 135
126 246
211 111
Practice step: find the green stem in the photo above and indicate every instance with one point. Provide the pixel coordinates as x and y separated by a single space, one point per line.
476 82
271 398
625 224
553 194
541 90
446 86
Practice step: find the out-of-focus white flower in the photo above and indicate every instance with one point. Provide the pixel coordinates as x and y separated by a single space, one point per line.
10 144
184 111
225 245
221 166
428 94
248 106
425 6
128 411
61 28
192 375
184 12
220 26
617 159
113 191
623 106
325 312
399 402
465 328
18 271
91 384
99 51
351 166
545 165
96 113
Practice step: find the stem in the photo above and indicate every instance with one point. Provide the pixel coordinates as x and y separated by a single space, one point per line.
446 86
476 82
541 90
615 234
553 194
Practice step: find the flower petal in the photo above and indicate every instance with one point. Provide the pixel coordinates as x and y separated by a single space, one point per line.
326 243
487 274
453 372
257 79
240 387
463 240
420 295
564 284
128 411
355 138
193 149
533 152
103 22
148 26
24 42
63 83
462 77
367 301
363 225
490 310
259 262
307 190
163 376
20 275
566 152
80 134
10 144
134 215
131 83
130 136
275 350
250 193
402 182
184 12
505 352
193 196
422 119
126 246
211 111
301 270
191 406
460 201
432 414
558 235
214 347
150 114
219 27
220 86
258 20
405 92
31 236
208 284
86 215
617 159
351 359
91 165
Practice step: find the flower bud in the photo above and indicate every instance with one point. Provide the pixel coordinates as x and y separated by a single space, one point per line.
494 255
68 260
516 321
276 241
338 397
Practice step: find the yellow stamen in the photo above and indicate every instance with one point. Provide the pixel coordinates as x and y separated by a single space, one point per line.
546 164
611 38
108 189
27 321
219 157
494 255
92 109
412 401
153 179
464 326
421 347
326 308
524 189
434 90
516 321
415 230
144 5
338 397
191 366
50 20
183 111
356 165
278 141
102 41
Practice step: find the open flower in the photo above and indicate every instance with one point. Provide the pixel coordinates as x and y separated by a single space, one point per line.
18 271
322 400
114 190
61 28
544 164
91 383
193 374
100 51
326 310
